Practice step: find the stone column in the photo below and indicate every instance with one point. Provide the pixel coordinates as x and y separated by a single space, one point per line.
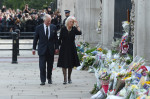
141 27
142 30
107 22
66 5
147 31
135 30
87 13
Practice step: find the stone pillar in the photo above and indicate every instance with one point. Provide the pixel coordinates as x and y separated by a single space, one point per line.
142 30
107 22
147 31
135 31
87 13
66 5
141 27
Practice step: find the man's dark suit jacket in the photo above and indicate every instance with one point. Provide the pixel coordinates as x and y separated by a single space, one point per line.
43 42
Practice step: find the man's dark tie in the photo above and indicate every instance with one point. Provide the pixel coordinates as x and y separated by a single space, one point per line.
47 32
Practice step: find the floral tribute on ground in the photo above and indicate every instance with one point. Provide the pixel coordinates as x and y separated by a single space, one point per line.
118 74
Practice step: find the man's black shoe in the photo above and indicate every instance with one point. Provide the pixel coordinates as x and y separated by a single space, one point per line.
49 81
42 83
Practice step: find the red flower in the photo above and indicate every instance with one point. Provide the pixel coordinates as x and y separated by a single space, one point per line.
143 68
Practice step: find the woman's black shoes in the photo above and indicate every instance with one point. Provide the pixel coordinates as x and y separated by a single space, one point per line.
69 81
65 82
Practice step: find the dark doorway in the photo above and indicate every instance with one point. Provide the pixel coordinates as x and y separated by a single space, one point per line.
122 10
121 7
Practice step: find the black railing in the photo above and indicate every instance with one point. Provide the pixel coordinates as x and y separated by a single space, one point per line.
22 35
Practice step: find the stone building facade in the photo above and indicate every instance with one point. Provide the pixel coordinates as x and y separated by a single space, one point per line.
87 14
91 12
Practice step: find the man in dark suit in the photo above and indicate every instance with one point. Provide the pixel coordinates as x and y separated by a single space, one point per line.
46 37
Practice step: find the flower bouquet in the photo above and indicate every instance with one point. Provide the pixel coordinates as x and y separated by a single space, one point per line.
104 78
136 64
131 94
126 26
89 60
148 76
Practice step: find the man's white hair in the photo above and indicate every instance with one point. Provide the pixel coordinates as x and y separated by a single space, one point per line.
68 19
46 16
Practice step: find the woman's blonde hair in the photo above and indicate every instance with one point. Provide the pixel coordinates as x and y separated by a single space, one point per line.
68 19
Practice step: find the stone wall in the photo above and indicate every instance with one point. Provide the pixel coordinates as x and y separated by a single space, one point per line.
66 5
87 14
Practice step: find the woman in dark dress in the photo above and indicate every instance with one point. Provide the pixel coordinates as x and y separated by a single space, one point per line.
68 57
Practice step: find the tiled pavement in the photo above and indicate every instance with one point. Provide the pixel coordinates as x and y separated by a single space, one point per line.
21 81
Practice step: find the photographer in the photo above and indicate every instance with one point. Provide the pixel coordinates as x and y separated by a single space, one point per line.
26 10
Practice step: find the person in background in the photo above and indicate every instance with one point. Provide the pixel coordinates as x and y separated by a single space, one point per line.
19 14
3 9
67 14
49 11
26 9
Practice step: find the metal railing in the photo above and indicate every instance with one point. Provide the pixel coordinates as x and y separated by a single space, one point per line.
22 35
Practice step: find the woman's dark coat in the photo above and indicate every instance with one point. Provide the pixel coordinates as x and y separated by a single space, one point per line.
68 57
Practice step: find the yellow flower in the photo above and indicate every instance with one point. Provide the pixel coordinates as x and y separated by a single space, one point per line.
126 78
118 73
127 22
100 49
143 83
134 64
134 87
104 71
119 66
138 97
147 82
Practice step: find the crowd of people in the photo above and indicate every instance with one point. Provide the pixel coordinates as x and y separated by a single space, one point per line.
26 20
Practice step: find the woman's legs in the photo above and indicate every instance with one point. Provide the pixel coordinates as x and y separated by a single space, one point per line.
69 75
65 75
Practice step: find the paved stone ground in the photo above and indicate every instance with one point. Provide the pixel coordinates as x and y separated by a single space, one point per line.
21 81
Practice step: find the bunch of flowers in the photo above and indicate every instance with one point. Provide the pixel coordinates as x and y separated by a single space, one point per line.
148 75
99 49
142 70
128 75
104 78
90 50
136 64
115 45
89 60
104 51
82 46
124 76
120 75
